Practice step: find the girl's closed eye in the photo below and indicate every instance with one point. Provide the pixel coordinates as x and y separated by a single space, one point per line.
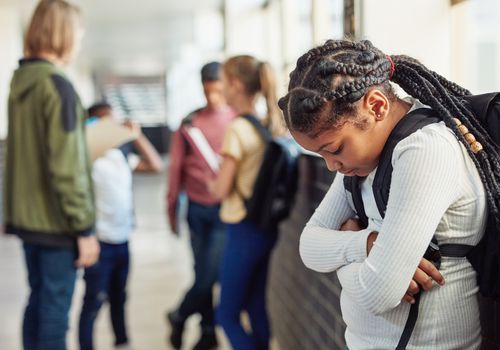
337 151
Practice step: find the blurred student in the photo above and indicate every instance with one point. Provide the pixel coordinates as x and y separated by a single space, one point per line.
48 188
248 248
189 171
107 279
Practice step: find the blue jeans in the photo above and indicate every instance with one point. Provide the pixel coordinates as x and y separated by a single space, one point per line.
51 276
208 234
105 281
243 285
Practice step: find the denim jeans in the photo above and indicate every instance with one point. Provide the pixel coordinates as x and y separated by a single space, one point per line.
51 276
208 234
105 281
243 285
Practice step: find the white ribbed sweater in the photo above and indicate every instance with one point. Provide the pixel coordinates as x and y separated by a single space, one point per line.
435 190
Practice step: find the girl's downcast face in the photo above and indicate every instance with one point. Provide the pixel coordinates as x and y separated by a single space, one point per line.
354 146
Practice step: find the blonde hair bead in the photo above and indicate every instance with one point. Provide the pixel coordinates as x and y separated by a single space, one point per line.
476 146
463 129
469 138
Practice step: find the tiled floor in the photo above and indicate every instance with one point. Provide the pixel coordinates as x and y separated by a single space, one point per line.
161 272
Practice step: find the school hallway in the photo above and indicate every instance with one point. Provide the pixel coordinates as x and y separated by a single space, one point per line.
161 271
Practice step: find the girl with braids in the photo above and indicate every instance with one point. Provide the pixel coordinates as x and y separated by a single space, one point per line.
246 256
340 104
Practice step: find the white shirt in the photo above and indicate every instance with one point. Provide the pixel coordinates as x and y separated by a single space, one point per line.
435 190
112 176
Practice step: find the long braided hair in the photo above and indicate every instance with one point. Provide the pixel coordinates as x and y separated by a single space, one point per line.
330 79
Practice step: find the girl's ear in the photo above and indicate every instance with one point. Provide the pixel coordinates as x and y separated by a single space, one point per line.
376 104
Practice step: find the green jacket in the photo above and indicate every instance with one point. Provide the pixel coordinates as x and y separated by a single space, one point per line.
48 194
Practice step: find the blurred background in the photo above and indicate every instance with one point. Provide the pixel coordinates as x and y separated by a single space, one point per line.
144 58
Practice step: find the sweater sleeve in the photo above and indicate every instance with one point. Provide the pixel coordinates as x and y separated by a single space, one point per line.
67 155
322 247
424 185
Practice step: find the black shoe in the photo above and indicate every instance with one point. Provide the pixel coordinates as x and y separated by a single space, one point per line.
206 342
177 328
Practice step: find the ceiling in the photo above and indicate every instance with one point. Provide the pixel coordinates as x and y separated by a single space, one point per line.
132 34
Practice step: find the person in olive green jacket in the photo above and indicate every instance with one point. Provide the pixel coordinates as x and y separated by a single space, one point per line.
48 195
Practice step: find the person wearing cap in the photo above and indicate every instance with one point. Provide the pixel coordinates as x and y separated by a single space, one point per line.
190 172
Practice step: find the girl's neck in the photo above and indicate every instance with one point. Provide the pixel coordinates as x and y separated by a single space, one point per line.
399 109
51 57
244 104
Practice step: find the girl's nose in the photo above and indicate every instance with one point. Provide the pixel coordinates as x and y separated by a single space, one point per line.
333 165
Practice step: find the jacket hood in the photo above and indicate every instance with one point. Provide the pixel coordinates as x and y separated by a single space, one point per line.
28 75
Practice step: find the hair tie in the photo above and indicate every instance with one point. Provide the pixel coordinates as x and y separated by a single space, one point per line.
392 66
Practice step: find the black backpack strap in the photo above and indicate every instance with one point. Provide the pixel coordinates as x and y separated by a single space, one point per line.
266 137
412 122
351 184
263 131
410 324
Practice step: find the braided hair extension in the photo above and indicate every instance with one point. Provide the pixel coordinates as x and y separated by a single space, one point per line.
330 79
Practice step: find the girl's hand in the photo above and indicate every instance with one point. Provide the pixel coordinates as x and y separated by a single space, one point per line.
422 279
351 225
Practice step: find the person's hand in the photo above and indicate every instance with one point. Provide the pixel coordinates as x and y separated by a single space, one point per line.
88 251
425 274
351 225
173 224
172 217
136 129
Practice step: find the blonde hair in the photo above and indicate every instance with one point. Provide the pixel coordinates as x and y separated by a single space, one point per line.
258 77
52 29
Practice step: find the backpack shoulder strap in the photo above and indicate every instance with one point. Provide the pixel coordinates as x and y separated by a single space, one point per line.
262 130
412 122
351 184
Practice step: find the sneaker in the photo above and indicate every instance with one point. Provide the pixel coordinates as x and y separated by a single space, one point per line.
177 328
206 342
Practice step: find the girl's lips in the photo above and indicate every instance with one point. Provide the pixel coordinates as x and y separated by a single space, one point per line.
351 172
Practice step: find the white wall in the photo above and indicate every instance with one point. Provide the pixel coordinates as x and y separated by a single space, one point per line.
10 53
421 29
184 88
460 42
11 38
476 45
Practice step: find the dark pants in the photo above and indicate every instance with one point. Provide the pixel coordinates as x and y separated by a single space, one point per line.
243 285
51 275
208 234
105 281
